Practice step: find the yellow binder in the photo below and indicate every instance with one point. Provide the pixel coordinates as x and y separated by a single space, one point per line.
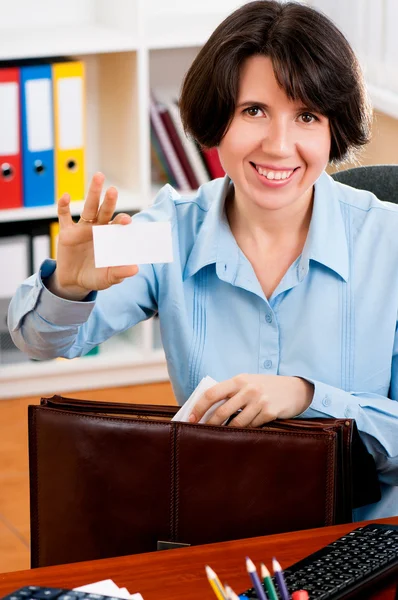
69 124
54 232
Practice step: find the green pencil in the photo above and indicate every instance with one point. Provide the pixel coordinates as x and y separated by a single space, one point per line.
265 574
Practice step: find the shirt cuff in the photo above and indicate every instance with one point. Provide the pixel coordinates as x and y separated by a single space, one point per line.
329 401
60 311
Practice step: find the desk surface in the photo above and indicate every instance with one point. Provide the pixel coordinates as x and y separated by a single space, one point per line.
179 574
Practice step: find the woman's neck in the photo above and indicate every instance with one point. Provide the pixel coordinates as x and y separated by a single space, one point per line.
261 227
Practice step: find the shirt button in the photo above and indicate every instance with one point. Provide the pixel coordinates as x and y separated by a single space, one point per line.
268 318
327 401
268 364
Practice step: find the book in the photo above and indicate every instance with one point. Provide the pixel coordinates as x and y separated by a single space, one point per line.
167 147
191 149
213 163
175 139
161 171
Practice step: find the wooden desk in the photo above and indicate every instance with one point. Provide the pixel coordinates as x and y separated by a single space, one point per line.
179 574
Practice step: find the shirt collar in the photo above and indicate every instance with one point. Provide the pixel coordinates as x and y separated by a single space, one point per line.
215 242
327 240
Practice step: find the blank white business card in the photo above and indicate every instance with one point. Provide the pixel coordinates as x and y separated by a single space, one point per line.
137 243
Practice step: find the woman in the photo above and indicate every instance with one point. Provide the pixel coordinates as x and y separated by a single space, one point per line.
283 286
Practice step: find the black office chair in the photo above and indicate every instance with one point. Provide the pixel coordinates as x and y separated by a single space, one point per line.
381 180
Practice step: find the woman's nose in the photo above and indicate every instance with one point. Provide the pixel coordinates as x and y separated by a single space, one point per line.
277 138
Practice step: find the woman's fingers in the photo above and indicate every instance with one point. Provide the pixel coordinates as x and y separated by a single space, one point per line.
229 408
107 207
246 417
91 205
118 274
219 391
97 213
63 209
121 219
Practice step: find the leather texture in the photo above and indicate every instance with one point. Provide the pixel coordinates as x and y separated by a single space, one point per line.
109 479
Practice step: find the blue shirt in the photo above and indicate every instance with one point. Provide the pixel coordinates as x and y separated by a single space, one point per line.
332 319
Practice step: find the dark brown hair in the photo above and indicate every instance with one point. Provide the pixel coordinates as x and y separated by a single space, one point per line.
312 61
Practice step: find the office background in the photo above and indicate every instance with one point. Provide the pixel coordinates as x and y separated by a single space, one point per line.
130 49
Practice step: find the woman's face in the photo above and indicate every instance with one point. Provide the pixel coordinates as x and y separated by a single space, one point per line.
275 148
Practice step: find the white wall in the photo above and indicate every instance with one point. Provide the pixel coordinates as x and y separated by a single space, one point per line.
161 7
371 28
17 14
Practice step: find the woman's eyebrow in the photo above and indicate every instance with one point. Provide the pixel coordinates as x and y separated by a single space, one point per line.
252 103
306 108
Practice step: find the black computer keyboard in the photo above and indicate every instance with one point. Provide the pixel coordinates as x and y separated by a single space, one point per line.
350 567
36 592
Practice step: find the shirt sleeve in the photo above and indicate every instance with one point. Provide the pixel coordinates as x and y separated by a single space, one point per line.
376 417
45 326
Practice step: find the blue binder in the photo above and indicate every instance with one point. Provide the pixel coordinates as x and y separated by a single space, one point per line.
37 135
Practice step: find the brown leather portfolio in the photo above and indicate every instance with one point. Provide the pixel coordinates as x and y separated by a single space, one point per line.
110 479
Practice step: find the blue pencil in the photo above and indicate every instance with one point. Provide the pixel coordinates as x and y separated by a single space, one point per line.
251 569
280 580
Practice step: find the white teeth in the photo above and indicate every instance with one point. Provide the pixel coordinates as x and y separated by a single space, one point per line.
278 175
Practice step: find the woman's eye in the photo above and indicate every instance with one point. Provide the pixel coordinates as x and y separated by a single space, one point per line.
253 111
308 118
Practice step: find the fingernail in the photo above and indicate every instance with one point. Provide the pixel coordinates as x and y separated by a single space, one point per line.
192 418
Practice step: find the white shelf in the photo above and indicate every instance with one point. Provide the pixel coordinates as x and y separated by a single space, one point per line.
126 367
181 30
126 202
63 41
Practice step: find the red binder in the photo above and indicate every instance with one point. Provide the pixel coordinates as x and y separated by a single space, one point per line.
10 139
213 163
178 147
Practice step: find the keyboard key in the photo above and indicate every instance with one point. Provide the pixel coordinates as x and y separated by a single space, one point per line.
47 593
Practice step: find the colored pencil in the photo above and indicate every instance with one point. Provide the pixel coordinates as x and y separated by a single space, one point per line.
268 583
280 580
215 584
230 593
251 569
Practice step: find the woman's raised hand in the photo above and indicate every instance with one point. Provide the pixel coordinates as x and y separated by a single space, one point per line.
76 275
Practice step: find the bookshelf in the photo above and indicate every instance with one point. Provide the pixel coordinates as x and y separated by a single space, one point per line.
128 47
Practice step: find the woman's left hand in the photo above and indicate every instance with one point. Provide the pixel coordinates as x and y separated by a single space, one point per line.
262 398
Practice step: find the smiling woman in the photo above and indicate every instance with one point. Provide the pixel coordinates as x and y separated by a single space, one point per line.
275 149
284 284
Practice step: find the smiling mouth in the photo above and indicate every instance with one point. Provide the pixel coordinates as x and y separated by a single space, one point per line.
271 175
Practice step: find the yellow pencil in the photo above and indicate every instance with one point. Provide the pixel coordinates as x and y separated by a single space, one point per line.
216 585
230 593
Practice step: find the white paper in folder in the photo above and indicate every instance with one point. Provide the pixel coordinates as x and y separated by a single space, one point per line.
137 243
107 587
14 263
186 409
